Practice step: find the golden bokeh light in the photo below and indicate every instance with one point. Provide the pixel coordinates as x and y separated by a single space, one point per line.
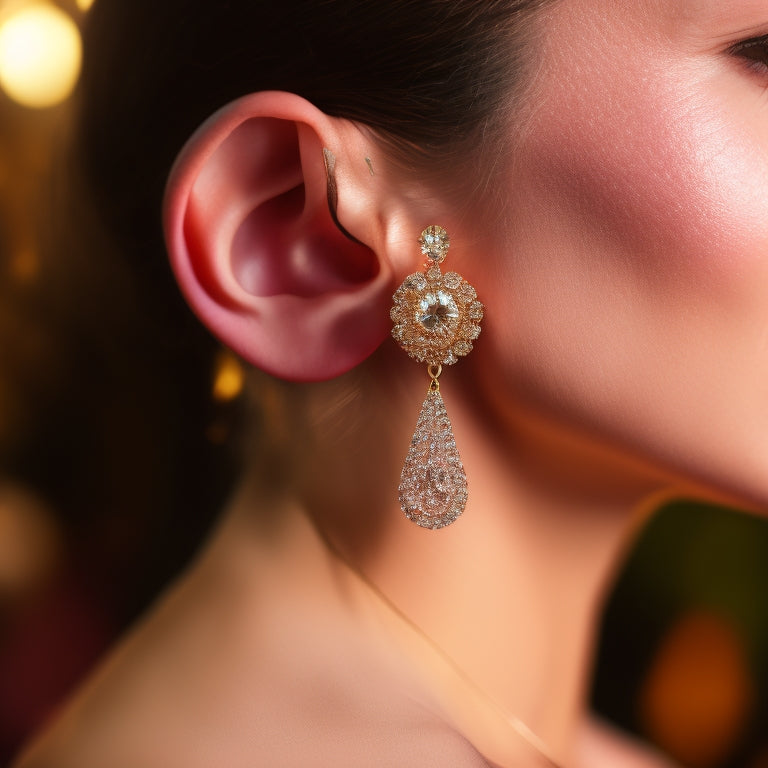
85 5
229 378
698 694
24 266
30 542
40 55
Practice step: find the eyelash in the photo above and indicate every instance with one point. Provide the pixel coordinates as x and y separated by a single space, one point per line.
754 53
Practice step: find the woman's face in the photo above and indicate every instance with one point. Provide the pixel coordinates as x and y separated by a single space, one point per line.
630 293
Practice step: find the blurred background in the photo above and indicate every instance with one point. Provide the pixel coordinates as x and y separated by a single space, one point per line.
118 443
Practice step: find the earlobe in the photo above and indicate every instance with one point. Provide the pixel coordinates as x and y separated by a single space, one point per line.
255 249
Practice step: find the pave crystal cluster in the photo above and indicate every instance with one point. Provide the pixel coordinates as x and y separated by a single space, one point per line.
436 316
433 484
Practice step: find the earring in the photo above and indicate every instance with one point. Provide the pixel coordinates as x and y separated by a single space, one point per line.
436 318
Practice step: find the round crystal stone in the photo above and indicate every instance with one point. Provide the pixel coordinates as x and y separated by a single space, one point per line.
437 309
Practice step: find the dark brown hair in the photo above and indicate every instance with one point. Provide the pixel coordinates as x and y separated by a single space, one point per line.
433 78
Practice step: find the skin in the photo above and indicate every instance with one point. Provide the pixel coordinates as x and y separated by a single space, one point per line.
638 220
622 359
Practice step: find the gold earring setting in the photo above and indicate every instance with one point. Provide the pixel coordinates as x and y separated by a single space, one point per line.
436 319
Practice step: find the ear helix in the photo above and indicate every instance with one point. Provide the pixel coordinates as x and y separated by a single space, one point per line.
436 318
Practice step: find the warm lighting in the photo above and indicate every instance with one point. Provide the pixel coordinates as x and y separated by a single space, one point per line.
761 760
40 55
30 542
25 265
229 378
698 694
84 5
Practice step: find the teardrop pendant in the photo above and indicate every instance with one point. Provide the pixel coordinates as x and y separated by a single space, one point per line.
433 485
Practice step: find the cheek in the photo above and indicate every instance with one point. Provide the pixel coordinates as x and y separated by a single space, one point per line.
671 189
636 291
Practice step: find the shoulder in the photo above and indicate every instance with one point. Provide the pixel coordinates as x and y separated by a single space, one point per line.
218 676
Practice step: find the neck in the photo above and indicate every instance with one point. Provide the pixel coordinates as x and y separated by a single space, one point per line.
511 591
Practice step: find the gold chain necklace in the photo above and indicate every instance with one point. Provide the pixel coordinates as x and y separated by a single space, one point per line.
522 730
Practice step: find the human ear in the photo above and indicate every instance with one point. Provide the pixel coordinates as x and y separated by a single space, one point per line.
256 251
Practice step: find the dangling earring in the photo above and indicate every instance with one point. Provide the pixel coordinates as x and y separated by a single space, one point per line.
436 318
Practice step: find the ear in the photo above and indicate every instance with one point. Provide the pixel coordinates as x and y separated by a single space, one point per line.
254 247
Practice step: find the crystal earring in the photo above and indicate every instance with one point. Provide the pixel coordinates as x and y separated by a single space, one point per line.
436 318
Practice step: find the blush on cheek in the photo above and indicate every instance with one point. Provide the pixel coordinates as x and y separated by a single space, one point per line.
672 185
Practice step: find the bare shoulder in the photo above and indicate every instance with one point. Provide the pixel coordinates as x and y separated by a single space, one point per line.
602 745
149 692
225 674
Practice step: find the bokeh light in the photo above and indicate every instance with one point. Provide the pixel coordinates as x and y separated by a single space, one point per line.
84 5
29 542
698 692
229 378
24 266
40 55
